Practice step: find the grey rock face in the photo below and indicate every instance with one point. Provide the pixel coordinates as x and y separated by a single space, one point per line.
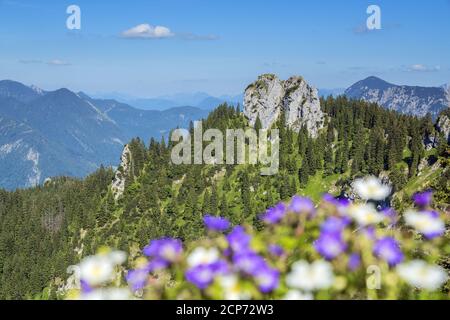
264 97
302 105
269 96
430 142
118 184
443 125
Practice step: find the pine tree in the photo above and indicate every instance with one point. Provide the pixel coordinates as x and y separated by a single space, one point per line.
302 140
303 174
416 152
258 124
206 207
224 206
328 163
245 193
311 158
338 161
442 145
214 200
285 188
345 157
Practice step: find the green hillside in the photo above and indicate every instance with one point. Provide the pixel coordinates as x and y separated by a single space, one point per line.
48 228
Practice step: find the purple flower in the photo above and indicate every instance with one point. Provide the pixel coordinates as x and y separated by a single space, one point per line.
203 275
165 249
354 261
330 245
391 214
238 240
227 252
276 250
220 267
423 199
335 225
275 214
431 213
341 202
156 264
216 223
137 279
301 205
267 279
248 262
85 287
388 249
370 232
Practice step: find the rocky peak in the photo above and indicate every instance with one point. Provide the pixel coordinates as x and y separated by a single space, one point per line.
264 97
269 96
38 90
443 125
122 172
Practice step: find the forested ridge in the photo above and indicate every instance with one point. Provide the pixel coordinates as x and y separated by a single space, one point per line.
47 228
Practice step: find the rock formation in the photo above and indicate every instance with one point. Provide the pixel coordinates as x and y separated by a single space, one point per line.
118 184
443 125
269 96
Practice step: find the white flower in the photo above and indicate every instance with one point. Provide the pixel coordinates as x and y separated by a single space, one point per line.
309 277
365 214
96 270
425 223
232 289
298 295
202 255
422 275
117 257
107 294
371 188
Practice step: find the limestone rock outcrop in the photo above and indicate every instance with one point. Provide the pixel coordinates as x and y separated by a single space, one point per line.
443 126
118 184
269 97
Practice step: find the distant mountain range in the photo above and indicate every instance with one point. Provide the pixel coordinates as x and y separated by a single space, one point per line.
52 133
412 100
198 99
331 92
45 134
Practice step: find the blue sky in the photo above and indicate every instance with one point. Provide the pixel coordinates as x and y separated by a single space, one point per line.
220 46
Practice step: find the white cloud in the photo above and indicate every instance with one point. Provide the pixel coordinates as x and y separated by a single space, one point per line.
57 62
423 68
54 62
146 31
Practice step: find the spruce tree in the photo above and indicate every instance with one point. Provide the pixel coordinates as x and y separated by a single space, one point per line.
304 171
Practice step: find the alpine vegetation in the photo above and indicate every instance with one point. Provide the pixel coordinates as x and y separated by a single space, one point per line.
327 250
258 149
343 209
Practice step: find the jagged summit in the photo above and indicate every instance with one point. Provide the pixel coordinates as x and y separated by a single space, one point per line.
268 96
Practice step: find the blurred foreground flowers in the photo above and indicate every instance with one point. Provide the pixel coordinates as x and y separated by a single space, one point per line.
337 249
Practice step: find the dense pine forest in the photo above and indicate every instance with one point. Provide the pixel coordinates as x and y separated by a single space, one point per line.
47 228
